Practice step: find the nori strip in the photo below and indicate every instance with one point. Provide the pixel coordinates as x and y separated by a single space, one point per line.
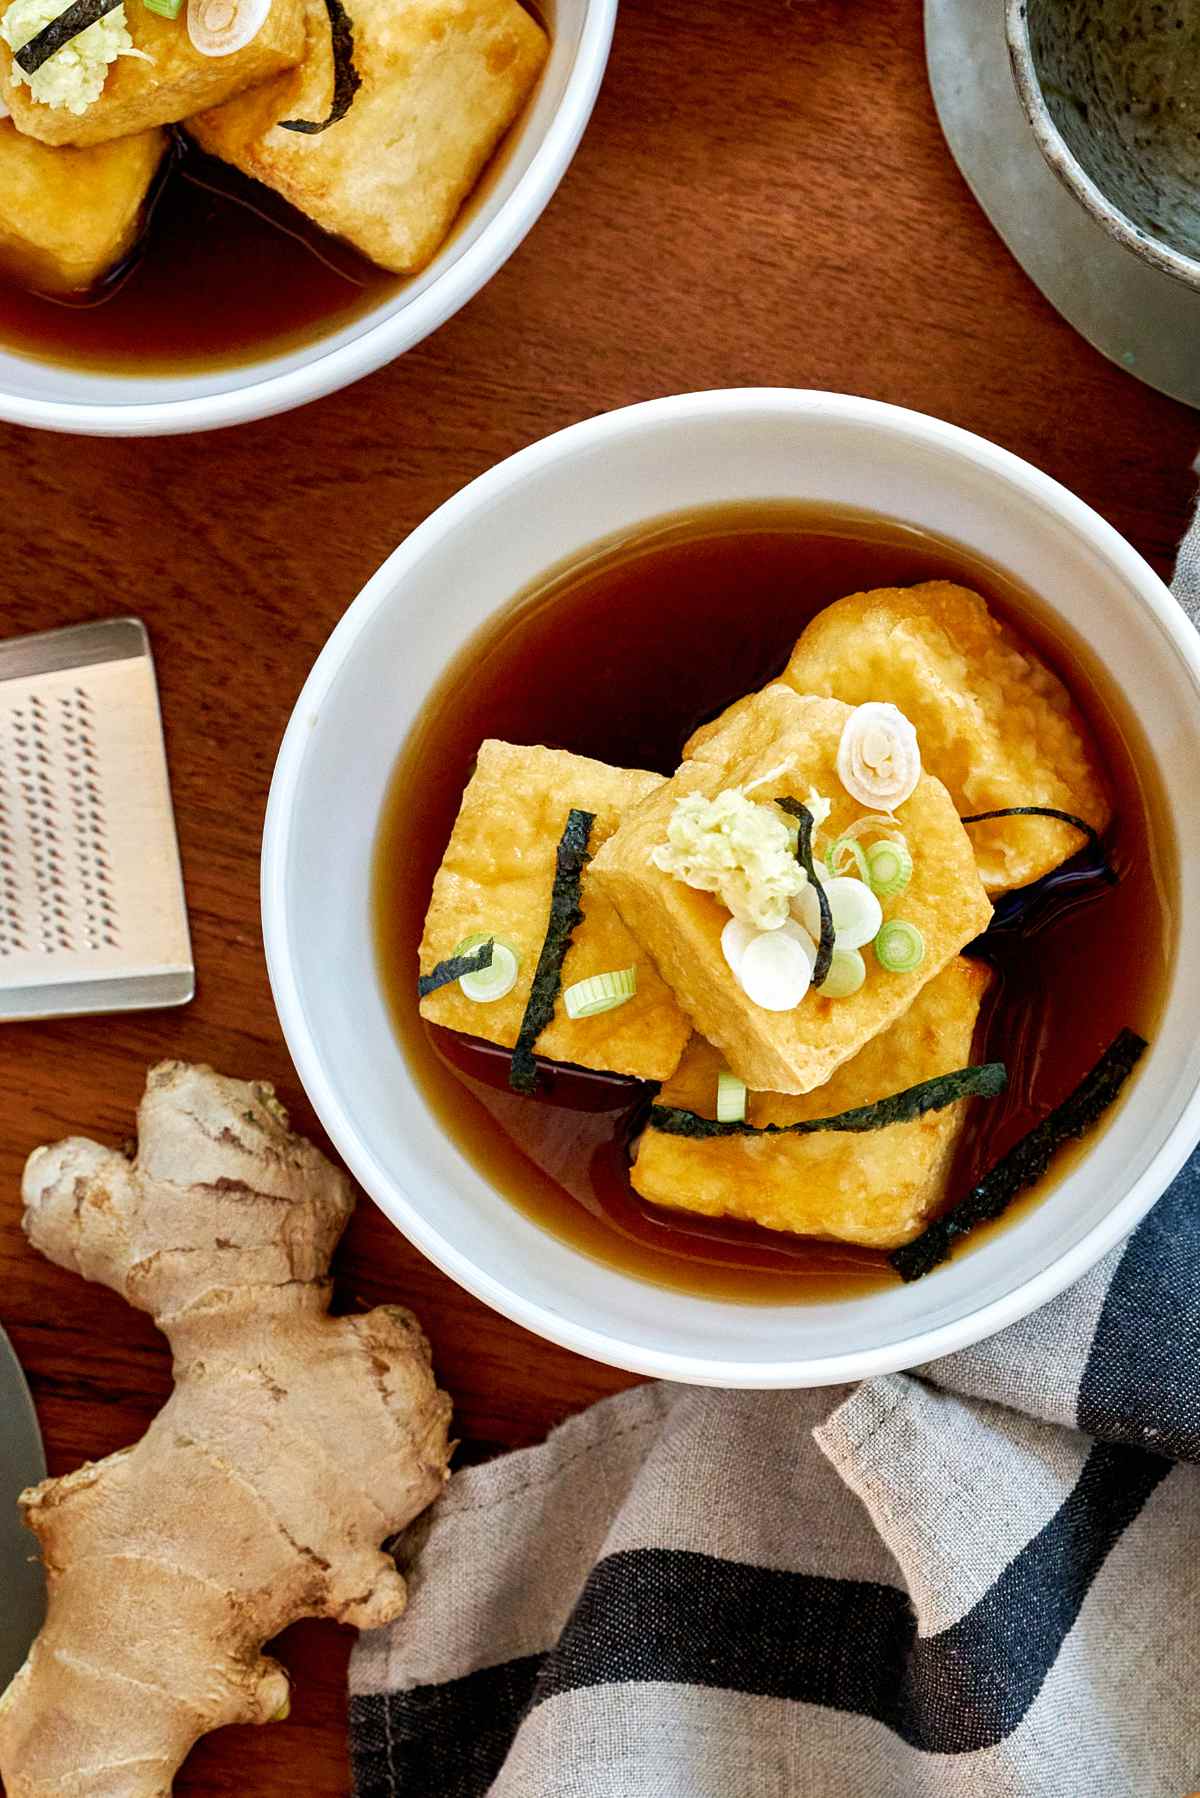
346 78
983 1082
1047 811
565 917
454 967
59 32
1026 1161
804 856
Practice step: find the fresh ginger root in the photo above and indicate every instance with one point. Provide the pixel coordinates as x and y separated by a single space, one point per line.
293 1445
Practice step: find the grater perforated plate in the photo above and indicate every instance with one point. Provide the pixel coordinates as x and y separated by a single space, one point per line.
92 910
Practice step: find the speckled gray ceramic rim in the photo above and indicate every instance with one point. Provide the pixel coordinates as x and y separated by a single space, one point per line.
1067 166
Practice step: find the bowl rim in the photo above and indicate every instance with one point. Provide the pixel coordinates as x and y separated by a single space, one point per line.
1147 590
327 371
1067 166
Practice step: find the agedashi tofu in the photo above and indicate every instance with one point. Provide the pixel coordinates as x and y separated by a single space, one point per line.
49 238
439 82
876 1188
748 725
168 81
995 724
784 746
496 878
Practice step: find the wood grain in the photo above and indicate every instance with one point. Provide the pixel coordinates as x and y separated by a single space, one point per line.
763 197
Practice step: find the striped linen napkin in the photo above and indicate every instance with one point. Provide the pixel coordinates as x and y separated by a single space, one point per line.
980 1580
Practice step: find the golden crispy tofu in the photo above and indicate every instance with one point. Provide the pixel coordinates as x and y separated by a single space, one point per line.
876 1188
176 80
497 875
48 240
748 725
994 724
792 1051
441 82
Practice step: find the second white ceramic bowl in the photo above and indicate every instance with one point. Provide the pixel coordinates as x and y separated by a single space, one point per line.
481 549
535 158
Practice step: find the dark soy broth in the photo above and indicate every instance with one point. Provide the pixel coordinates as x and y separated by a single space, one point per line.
225 272
620 656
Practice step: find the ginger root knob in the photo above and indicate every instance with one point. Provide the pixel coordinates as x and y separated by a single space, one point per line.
293 1445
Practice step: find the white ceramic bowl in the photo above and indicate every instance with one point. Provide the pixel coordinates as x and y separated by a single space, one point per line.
535 160
477 552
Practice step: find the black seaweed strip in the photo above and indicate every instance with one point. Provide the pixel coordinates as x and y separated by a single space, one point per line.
804 856
983 1082
565 917
59 32
346 78
1048 811
447 972
1026 1161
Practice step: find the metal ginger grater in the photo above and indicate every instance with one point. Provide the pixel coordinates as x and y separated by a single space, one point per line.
92 911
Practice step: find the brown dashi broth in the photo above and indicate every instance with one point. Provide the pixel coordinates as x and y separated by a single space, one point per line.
225 271
620 656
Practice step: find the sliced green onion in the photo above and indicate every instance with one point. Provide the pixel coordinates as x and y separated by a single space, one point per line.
486 985
454 967
800 935
889 867
844 851
166 9
475 939
856 912
600 992
776 969
900 947
878 821
736 938
806 909
847 971
731 1098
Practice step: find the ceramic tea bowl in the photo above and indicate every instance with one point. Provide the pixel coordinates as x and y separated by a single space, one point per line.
1112 91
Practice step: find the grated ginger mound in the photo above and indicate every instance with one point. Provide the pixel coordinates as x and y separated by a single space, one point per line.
994 724
737 848
73 78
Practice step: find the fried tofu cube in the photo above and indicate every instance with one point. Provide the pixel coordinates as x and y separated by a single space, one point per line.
497 876
441 82
995 724
169 81
746 726
48 240
878 1187
794 742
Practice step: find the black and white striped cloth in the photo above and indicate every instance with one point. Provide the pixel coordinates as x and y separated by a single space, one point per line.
979 1580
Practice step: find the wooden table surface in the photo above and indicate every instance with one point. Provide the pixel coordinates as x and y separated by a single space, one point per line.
763 197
